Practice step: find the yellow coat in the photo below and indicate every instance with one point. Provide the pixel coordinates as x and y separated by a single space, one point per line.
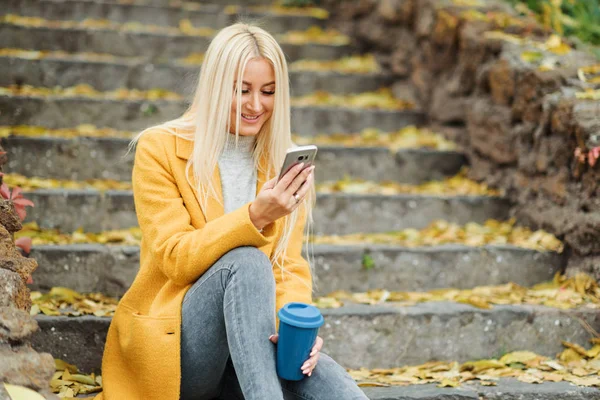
142 352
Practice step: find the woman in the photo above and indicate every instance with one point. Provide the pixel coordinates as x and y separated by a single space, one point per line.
222 240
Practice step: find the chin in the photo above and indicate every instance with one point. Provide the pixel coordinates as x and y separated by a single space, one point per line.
247 131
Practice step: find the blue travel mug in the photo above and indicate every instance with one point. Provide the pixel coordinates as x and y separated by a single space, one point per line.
298 327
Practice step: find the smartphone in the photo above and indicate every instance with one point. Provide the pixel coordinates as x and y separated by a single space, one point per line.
297 155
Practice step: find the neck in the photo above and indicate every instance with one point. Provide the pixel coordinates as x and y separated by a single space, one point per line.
245 145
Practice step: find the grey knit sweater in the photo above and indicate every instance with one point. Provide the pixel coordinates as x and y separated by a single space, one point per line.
238 175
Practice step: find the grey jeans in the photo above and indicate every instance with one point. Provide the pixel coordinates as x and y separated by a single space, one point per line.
227 318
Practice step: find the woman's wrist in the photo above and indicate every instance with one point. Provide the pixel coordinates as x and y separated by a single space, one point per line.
258 222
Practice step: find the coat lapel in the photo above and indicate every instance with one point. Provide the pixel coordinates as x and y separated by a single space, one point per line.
215 209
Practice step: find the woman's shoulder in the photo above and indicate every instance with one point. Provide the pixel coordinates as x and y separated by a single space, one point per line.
157 137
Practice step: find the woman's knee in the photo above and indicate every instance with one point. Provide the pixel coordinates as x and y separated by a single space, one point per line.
248 261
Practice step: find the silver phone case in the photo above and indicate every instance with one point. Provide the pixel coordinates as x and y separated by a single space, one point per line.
305 154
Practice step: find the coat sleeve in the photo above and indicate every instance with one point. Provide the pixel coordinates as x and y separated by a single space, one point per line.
295 284
183 252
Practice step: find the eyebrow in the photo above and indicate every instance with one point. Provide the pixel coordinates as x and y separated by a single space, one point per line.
266 84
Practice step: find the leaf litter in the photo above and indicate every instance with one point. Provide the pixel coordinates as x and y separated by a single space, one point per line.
34 183
458 185
582 369
452 186
379 99
439 232
356 64
68 382
85 90
562 292
407 137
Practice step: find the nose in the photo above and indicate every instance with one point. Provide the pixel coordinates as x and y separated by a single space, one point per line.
254 104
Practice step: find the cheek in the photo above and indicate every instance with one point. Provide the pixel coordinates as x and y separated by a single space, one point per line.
269 105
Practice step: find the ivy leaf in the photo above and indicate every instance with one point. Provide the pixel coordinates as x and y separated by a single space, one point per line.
368 262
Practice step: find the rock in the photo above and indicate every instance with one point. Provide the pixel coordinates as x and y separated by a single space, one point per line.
15 325
490 132
404 90
396 10
589 265
584 238
13 291
372 30
518 124
502 82
400 60
447 109
8 216
21 365
11 259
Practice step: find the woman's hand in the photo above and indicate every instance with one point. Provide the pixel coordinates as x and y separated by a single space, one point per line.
311 363
276 199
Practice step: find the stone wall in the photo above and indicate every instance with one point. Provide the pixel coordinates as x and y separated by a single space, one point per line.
20 365
490 80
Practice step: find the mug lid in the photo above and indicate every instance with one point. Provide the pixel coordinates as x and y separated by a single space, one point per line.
301 315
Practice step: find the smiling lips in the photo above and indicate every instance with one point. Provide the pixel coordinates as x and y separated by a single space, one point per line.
250 118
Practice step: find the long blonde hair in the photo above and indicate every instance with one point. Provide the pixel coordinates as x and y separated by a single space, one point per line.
208 118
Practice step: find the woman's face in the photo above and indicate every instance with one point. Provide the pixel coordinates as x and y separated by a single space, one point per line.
258 96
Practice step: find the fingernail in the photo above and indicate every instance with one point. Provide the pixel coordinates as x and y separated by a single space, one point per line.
310 373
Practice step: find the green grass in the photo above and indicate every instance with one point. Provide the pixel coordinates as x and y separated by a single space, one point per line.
579 18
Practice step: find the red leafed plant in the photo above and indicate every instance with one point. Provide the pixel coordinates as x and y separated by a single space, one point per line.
20 202
17 199
591 157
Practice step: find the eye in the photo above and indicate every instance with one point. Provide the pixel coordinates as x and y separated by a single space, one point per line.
245 91
269 93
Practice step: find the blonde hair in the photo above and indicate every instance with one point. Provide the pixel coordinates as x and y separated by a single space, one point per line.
208 118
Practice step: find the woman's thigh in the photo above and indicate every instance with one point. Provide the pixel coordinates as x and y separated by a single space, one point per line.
328 381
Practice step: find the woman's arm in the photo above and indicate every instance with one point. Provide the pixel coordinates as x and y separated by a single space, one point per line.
184 252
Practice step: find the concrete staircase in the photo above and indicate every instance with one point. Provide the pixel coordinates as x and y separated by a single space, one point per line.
355 335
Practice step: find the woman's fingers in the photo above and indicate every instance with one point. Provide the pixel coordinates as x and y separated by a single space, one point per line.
317 347
298 181
310 364
305 186
289 177
274 338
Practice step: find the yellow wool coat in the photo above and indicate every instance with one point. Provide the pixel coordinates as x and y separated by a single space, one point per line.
142 352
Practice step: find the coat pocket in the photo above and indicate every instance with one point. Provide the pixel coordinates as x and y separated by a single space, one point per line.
152 352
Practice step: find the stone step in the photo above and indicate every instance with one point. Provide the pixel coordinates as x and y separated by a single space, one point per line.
111 269
380 336
505 389
151 46
135 73
334 214
135 115
214 16
62 158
